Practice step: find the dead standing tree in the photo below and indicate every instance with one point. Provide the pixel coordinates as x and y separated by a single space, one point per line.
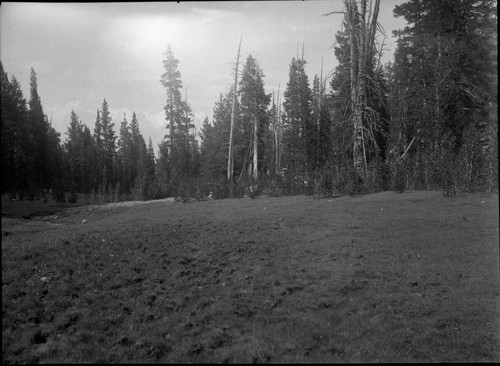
362 49
230 160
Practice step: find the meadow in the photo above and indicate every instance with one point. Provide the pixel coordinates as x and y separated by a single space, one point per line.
385 277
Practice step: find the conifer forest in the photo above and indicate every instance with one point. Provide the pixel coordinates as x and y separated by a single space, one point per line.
339 205
428 120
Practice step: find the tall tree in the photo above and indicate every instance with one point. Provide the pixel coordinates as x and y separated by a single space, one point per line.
124 157
74 153
99 150
106 141
163 172
39 136
298 125
15 136
214 137
171 80
443 69
322 124
230 159
179 117
361 24
55 157
254 103
135 146
89 157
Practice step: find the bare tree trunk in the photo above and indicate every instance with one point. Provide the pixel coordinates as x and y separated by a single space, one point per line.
354 73
362 38
171 120
363 56
278 132
230 160
255 149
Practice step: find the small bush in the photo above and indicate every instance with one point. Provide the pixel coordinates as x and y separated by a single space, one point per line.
58 195
72 197
377 176
399 174
253 191
449 172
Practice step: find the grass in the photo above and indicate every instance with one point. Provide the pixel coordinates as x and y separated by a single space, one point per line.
387 277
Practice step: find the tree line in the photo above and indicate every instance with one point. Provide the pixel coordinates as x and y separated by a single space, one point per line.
427 120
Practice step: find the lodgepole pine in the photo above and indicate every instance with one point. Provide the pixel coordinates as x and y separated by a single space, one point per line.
230 160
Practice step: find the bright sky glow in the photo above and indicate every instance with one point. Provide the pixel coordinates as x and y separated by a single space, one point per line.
85 52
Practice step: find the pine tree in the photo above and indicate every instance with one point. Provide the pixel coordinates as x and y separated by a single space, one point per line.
39 138
124 157
89 158
274 139
163 173
213 160
214 141
230 158
322 125
135 145
171 80
179 119
442 80
73 153
55 160
298 135
255 123
99 151
354 83
16 141
109 144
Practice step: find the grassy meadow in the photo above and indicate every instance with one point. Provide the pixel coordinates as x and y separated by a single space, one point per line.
385 277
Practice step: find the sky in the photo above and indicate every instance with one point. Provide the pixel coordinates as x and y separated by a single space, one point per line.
84 53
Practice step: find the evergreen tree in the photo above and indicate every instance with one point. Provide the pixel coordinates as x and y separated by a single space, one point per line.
73 153
135 146
442 81
214 142
171 80
273 142
322 125
355 85
38 129
16 140
124 157
179 119
163 176
210 153
89 158
108 144
255 121
99 151
55 160
298 134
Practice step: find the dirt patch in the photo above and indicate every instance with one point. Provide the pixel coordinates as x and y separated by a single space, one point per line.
379 278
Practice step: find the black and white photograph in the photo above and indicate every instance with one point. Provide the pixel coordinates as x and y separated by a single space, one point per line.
296 181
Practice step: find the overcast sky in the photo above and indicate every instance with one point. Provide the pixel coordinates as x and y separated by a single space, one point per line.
85 52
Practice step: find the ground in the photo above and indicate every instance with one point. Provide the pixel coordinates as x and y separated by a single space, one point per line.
386 277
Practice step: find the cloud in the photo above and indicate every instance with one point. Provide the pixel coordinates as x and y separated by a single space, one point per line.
209 15
155 120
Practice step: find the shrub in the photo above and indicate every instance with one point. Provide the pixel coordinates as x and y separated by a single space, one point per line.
399 175
253 191
58 195
347 180
448 167
377 175
72 197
